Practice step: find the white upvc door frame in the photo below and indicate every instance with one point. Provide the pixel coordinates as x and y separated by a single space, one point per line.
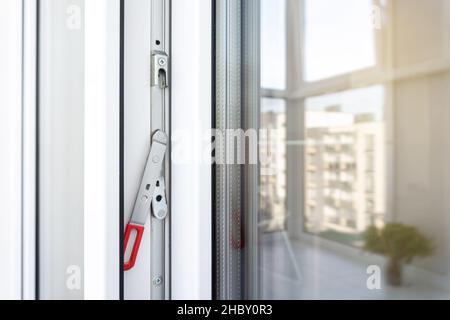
60 149
102 150
191 126
11 145
146 109
190 260
191 238
29 150
18 123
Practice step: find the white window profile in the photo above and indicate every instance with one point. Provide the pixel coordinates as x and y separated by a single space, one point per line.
11 146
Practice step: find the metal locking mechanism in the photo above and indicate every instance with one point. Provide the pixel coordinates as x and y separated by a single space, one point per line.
147 112
152 194
160 69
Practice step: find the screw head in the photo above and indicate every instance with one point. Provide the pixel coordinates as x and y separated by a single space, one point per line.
162 62
157 281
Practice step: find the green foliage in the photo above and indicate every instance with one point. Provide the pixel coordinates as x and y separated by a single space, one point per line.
398 242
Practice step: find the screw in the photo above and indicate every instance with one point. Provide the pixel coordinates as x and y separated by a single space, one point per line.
162 62
157 281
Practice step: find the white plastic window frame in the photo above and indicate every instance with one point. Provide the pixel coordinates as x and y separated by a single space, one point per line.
101 149
191 229
60 106
18 92
11 144
191 181
101 146
191 114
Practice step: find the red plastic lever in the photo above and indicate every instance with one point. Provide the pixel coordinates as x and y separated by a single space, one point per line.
137 242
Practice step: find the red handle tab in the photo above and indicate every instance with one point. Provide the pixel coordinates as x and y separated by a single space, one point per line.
137 242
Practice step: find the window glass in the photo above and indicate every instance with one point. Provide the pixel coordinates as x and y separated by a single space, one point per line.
345 164
339 37
354 175
273 44
273 161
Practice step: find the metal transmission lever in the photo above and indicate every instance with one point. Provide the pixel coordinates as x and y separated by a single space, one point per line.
151 193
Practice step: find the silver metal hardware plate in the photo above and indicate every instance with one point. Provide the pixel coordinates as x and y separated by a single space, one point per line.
160 69
153 170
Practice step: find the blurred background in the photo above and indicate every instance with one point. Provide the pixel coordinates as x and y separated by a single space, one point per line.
356 93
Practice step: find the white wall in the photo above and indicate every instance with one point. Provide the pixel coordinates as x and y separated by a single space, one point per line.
10 146
422 126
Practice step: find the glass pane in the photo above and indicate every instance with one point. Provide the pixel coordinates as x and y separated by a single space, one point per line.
339 37
354 177
345 167
273 44
273 154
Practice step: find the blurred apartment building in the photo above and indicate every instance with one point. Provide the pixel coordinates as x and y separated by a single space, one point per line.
273 172
345 175
344 172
